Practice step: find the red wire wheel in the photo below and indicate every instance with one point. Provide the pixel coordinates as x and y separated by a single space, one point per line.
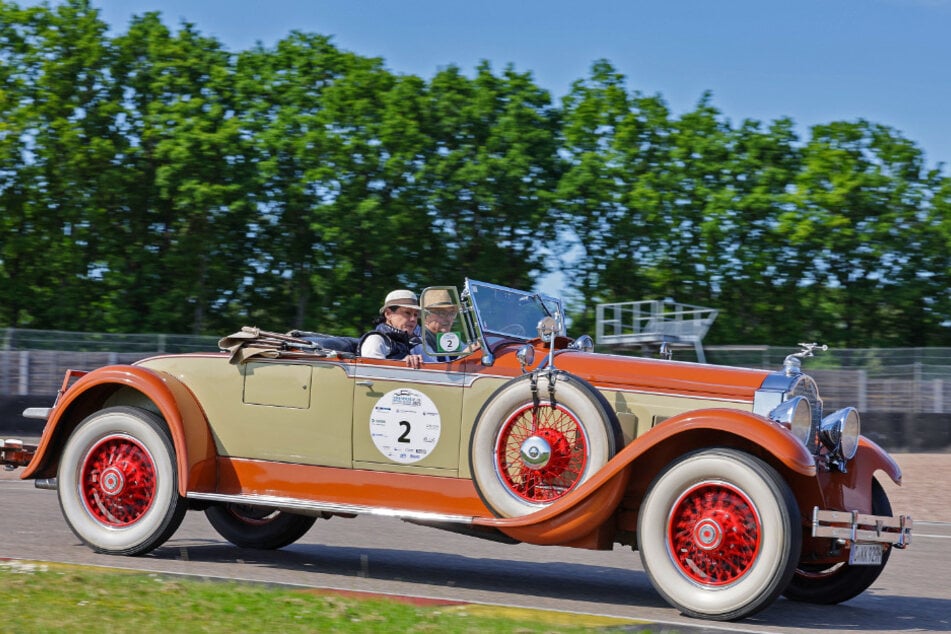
719 533
541 452
117 481
524 457
714 533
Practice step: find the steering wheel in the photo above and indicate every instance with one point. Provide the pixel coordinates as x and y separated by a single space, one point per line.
515 329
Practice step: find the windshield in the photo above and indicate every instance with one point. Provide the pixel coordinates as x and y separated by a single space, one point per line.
509 313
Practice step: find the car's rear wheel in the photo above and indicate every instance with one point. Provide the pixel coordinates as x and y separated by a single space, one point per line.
719 534
118 482
524 455
258 527
827 585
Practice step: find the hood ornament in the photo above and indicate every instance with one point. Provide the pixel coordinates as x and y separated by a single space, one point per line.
792 365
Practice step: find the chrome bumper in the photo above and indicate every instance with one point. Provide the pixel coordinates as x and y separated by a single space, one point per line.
13 453
858 527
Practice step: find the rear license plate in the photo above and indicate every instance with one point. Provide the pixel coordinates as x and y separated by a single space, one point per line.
865 555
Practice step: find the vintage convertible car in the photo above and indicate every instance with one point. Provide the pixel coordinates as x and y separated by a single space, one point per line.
733 484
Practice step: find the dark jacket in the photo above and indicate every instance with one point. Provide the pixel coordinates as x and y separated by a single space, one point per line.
401 343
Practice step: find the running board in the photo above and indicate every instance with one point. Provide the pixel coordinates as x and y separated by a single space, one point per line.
307 507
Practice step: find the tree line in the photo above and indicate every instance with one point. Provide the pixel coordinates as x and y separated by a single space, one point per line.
152 181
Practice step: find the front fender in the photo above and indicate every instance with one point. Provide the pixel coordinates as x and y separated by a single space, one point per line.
187 425
572 519
709 427
852 490
581 513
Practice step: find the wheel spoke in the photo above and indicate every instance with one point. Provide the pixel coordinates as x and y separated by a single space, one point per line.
714 533
558 430
117 480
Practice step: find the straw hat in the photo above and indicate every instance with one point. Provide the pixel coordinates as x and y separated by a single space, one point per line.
438 298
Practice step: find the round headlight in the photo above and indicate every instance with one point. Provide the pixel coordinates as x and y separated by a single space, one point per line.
840 431
851 429
796 414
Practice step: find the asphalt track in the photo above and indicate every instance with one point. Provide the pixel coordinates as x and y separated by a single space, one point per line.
389 557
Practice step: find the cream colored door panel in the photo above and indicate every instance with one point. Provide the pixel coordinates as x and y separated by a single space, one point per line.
294 413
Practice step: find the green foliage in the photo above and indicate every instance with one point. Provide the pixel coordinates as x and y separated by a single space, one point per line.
153 181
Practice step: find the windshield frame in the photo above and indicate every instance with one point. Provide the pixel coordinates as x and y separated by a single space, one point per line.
503 313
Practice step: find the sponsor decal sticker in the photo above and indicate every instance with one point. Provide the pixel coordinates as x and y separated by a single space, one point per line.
407 433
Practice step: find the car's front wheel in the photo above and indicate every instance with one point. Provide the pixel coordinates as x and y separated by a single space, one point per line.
258 527
118 482
827 585
719 534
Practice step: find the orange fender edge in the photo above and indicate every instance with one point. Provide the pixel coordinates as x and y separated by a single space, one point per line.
188 427
579 516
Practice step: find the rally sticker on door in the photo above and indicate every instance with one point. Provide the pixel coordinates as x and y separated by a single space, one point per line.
404 425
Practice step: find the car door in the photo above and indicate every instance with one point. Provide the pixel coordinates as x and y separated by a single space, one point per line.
295 412
407 420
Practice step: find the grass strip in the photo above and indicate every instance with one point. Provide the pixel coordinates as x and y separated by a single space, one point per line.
47 597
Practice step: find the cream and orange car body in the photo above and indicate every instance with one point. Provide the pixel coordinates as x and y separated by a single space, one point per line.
298 430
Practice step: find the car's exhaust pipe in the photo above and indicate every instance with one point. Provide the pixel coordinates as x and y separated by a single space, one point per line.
45 483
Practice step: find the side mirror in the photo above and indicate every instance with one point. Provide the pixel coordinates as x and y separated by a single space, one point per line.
547 328
584 343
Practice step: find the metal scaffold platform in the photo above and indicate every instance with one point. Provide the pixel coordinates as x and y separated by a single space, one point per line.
651 323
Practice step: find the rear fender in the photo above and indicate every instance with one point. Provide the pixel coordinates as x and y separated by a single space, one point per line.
187 425
578 517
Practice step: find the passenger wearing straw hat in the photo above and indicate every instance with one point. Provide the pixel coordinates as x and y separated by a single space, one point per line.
439 315
395 333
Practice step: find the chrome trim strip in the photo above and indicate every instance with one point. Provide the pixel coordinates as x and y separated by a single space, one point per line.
420 376
293 504
40 413
409 375
721 399
424 376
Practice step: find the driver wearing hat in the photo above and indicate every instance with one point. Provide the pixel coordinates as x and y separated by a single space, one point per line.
394 335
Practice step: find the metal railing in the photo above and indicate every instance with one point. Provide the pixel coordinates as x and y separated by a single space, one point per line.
901 380
652 322
33 362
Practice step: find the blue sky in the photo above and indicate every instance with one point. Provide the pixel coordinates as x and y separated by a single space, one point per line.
816 61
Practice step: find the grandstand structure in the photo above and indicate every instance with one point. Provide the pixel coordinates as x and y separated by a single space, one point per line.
654 325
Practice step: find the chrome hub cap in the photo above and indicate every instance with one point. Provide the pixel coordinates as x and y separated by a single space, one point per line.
112 481
708 534
536 452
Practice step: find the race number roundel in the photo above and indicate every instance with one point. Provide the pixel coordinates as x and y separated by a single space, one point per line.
404 425
448 342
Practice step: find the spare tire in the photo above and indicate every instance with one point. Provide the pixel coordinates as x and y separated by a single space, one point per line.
524 455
